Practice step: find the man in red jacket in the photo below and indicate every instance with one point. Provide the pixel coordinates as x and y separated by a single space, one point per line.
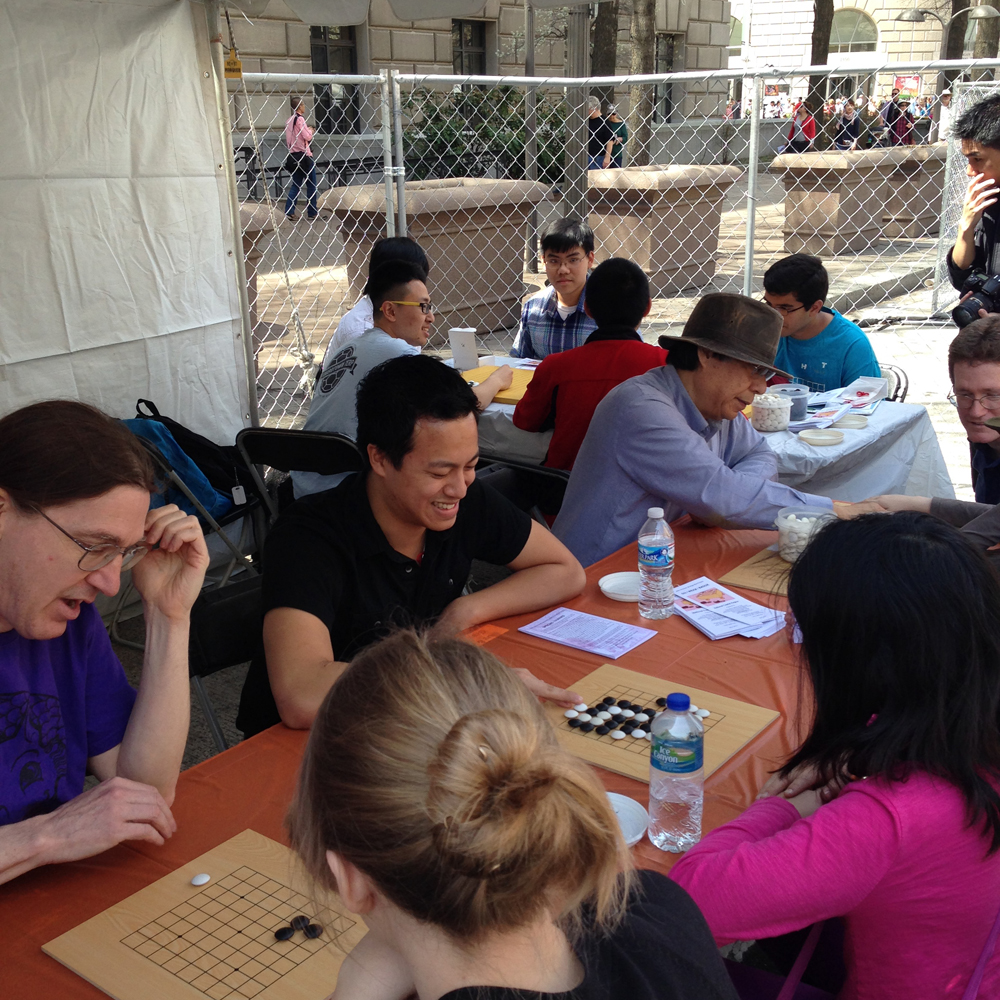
566 387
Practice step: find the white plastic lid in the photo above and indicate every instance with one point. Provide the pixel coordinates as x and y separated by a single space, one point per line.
654 513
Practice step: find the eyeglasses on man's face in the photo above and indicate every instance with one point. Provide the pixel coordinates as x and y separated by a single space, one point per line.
574 260
425 307
964 400
98 556
785 310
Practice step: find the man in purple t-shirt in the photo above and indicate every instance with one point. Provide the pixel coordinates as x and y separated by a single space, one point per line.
74 511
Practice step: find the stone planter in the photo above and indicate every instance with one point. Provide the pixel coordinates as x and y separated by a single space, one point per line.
472 230
665 218
913 210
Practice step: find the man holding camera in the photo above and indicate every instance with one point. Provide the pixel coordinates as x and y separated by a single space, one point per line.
976 252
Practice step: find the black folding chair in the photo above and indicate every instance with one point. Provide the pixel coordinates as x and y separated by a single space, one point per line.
899 383
536 489
304 451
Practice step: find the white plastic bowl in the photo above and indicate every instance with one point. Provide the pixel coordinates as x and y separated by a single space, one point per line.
620 587
632 817
821 438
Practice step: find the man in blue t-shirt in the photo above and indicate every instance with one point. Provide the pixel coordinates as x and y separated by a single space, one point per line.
818 346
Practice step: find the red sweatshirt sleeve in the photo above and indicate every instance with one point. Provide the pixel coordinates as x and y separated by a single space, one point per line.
809 128
771 872
535 406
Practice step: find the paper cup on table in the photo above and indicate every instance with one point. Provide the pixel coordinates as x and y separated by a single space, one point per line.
463 348
795 527
632 817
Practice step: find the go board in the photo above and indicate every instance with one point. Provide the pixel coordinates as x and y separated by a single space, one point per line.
729 726
176 941
513 393
766 572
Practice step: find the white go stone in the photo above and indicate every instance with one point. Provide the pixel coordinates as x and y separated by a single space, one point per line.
692 708
582 707
642 717
614 710
703 713
627 713
638 734
617 734
603 716
770 412
201 879
571 713
649 736
584 717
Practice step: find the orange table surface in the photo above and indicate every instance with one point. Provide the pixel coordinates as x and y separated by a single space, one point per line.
251 785
518 386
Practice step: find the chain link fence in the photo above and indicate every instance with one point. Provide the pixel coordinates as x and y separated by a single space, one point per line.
702 204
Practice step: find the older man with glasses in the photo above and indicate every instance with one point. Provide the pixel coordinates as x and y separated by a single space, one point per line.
74 512
974 366
555 320
675 437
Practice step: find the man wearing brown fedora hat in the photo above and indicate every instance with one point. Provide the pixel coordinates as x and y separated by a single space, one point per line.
675 437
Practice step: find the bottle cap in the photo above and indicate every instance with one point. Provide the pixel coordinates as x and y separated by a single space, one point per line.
678 702
654 513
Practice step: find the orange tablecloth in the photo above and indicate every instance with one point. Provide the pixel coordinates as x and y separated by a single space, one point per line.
251 785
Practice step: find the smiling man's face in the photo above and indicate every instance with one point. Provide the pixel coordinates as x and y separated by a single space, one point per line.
971 382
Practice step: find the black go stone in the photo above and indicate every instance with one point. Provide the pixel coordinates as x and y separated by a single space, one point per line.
627 729
661 702
575 722
300 923
645 727
624 703
587 727
611 724
596 709
602 730
608 701
284 933
312 930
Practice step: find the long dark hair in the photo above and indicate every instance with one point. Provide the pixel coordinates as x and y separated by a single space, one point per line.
900 621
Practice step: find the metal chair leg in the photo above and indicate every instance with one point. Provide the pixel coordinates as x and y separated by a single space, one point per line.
205 704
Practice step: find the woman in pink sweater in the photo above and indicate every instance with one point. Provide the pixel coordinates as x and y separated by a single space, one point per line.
888 815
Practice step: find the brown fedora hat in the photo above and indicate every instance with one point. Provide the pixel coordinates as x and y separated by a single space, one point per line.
733 325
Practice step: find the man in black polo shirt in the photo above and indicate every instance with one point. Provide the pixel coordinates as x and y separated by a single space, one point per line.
393 547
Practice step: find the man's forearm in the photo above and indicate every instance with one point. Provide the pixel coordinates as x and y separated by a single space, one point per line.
21 848
153 745
964 252
301 691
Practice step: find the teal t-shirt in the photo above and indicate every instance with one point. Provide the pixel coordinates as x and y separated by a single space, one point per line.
833 358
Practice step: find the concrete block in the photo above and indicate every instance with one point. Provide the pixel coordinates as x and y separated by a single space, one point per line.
379 44
492 10
297 40
719 34
437 24
709 57
711 10
442 47
413 46
286 66
913 210
673 15
265 38
511 21
698 33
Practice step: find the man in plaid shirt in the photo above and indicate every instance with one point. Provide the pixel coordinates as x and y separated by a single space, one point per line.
554 319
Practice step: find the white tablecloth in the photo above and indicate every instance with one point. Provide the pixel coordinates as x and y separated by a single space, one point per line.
898 452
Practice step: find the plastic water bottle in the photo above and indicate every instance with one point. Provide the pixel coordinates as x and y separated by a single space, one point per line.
676 776
656 566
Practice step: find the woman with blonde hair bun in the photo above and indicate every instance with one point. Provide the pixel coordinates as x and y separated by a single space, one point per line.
485 860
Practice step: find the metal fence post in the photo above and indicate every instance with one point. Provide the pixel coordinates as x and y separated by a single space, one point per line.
756 111
397 128
390 219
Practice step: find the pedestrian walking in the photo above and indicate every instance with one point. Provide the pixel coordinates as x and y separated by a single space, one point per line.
299 162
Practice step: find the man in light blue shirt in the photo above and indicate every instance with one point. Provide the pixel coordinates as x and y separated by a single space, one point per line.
676 438
818 346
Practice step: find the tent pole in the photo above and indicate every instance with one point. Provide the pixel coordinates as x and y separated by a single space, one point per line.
229 165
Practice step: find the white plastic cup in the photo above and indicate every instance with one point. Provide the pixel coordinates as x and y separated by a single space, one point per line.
796 526
798 394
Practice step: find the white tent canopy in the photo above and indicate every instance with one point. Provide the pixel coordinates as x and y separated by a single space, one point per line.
117 270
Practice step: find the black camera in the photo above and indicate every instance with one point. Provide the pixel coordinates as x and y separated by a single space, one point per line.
985 295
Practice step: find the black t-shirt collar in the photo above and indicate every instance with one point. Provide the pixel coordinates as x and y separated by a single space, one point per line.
613 333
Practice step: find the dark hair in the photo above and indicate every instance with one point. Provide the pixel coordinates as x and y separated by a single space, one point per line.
60 450
396 248
900 621
295 101
977 342
617 293
681 354
388 280
460 804
980 123
801 275
394 395
565 234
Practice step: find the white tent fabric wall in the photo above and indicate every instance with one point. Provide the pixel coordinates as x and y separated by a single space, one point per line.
117 274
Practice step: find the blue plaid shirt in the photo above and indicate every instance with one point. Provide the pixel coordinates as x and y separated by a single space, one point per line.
543 331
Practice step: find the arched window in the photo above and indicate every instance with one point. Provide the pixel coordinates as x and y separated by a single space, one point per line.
735 36
853 31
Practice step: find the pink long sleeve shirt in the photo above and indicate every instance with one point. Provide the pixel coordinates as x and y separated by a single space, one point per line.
895 859
298 135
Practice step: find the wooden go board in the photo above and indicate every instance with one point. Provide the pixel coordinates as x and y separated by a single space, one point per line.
176 941
730 725
520 379
766 572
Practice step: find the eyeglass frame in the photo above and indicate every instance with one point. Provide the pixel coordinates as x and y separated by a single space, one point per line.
569 262
953 399
425 307
130 556
782 308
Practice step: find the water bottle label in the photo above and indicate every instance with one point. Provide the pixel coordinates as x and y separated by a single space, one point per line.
676 756
658 556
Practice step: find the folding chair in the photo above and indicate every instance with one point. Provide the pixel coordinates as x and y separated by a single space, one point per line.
899 383
225 631
535 488
304 451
